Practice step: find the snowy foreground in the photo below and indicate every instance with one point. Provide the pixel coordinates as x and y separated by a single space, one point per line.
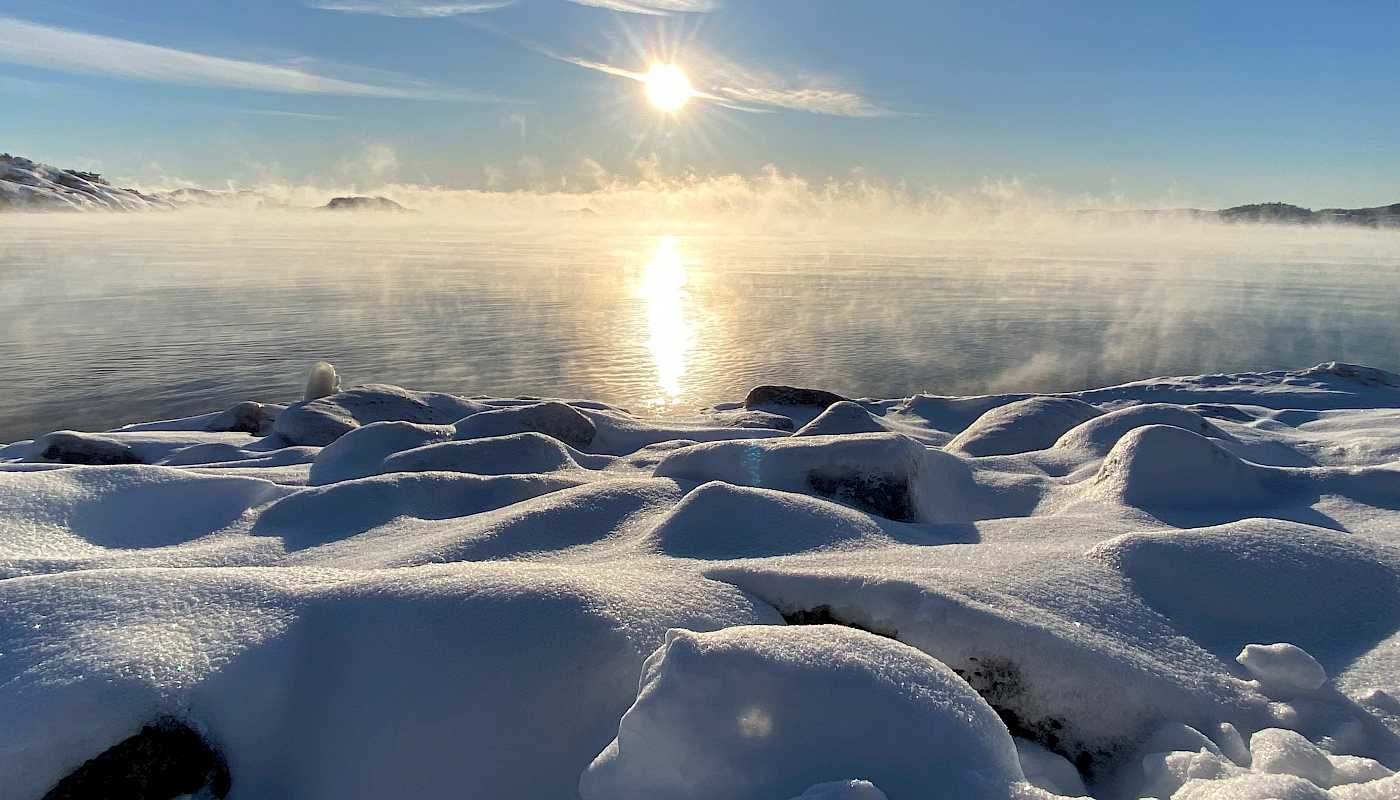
1179 588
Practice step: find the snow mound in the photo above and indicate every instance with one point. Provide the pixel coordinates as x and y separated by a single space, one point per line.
323 420
498 455
1098 435
360 452
316 515
1023 426
73 512
1265 580
719 521
842 417
728 714
558 420
1161 465
1045 675
1282 668
886 474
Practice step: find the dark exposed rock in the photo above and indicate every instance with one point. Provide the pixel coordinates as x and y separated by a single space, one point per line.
821 615
754 419
362 204
883 493
774 395
245 417
165 760
67 447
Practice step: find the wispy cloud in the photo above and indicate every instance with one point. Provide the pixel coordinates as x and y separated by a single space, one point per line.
653 7
407 8
272 112
742 89
67 50
814 95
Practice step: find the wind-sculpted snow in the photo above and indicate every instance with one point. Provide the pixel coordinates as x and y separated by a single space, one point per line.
1177 588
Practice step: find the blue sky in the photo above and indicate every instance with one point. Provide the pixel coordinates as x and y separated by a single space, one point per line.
1161 104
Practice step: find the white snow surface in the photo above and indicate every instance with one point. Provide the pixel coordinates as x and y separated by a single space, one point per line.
1178 588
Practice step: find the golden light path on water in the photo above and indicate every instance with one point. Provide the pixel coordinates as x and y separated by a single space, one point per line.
669 330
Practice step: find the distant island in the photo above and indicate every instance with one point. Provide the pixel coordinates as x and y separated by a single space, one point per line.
1274 214
27 185
358 203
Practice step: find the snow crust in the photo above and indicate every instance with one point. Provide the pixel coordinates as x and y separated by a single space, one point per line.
1177 588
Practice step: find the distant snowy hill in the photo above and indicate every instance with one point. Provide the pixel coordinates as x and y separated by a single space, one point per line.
29 185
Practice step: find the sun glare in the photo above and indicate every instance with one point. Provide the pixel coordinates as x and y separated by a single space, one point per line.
668 88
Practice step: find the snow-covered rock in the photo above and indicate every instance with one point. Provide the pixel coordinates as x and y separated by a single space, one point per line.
729 714
1020 427
321 421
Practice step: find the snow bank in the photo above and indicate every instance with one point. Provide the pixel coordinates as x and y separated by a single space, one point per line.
1178 588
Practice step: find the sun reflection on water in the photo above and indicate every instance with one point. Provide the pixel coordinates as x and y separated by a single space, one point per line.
663 288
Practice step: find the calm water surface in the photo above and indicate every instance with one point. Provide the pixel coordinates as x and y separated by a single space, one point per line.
112 319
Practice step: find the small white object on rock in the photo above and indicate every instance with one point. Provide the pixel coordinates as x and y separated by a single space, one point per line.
321 382
1282 668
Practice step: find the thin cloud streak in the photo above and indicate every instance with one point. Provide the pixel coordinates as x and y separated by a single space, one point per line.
658 8
813 100
753 94
407 8
66 50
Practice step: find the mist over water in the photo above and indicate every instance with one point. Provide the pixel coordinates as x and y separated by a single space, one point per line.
108 319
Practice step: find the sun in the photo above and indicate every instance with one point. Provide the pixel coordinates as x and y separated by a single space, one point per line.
668 88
